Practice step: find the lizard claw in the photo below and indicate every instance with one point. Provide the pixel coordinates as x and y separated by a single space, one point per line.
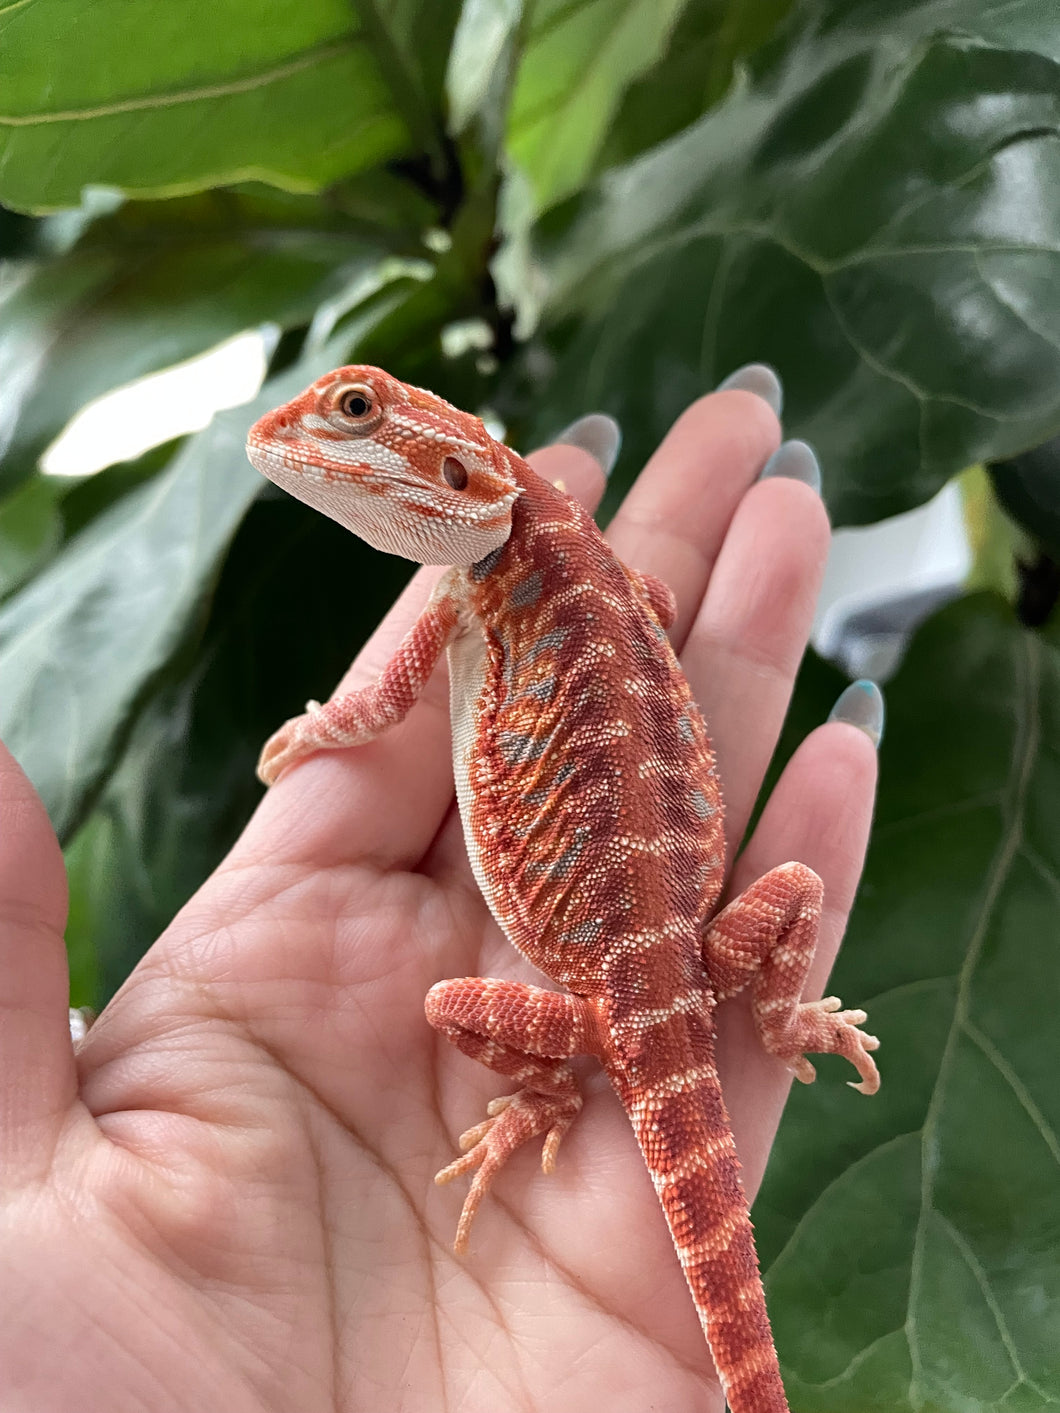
803 1071
277 753
291 743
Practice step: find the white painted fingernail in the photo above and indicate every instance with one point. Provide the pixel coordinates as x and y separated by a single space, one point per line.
861 705
757 378
81 1018
596 433
796 461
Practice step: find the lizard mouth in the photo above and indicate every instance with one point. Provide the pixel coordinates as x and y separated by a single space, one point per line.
301 477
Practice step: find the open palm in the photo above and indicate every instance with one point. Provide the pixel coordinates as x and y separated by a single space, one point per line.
225 1200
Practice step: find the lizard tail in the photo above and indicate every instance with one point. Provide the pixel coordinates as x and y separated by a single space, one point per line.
684 1133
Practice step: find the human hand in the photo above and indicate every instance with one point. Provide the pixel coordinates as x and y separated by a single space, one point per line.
225 1200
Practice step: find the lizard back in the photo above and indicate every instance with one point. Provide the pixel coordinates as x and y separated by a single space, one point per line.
581 758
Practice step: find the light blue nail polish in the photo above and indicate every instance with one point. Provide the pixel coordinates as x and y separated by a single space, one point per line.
796 461
861 705
757 378
596 433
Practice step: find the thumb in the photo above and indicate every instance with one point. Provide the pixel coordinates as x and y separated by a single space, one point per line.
38 1080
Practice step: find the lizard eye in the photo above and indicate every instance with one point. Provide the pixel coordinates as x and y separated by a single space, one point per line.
454 473
356 403
355 408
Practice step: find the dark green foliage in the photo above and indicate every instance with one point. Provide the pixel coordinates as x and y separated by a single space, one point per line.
629 198
927 1222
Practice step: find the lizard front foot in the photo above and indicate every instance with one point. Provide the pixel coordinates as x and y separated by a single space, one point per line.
513 1119
286 746
298 738
823 1028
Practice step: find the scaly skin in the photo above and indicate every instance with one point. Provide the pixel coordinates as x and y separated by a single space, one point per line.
593 819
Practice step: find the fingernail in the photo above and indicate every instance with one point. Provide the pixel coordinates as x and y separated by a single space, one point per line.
81 1017
861 705
796 461
757 378
596 433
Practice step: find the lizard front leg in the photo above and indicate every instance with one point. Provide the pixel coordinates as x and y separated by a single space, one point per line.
657 594
528 1034
358 717
766 938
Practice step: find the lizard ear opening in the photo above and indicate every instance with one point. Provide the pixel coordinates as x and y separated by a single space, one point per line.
454 473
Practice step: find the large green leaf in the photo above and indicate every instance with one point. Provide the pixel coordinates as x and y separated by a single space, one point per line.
913 1240
580 57
158 99
151 285
81 643
1029 488
78 644
877 213
482 46
710 38
18 234
30 531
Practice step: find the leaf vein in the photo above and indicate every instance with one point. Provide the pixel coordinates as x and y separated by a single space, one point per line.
979 1276
856 1362
989 1050
1041 867
940 812
1018 314
190 95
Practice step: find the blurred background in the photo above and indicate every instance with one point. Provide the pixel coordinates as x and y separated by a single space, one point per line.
540 208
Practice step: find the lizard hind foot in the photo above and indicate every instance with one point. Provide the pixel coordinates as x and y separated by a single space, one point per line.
513 1120
824 1028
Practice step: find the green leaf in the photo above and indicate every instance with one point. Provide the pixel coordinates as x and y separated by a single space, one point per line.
89 862
995 543
482 45
150 286
82 498
1028 486
580 57
30 531
414 70
18 234
81 642
46 511
876 213
158 99
78 644
710 38
912 1240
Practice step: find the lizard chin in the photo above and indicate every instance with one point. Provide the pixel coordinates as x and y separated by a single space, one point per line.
394 515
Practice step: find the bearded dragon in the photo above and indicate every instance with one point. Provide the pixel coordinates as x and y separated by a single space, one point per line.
592 812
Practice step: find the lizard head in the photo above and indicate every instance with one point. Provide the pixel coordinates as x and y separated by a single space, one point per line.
399 467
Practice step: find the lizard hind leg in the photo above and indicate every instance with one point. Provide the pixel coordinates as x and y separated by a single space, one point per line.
766 939
527 1034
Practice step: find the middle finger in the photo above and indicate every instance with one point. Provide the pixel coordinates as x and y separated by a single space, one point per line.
675 518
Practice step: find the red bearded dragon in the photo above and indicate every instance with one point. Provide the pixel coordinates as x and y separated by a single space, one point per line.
593 817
